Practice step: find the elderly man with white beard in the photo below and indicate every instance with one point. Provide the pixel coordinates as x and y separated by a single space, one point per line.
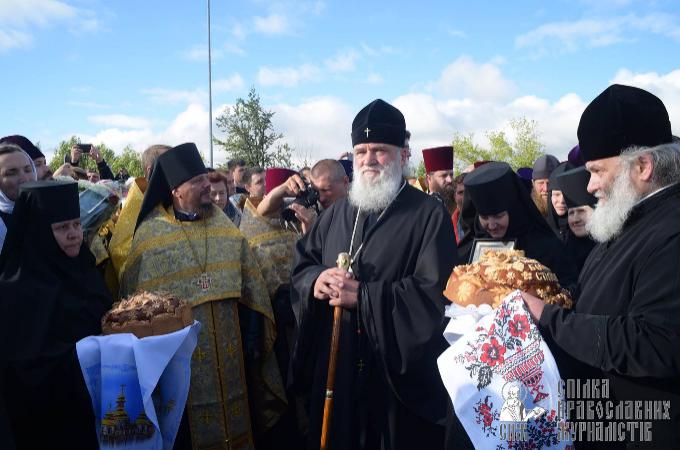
625 327
388 394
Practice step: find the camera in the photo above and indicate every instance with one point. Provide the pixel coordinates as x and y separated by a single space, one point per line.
307 198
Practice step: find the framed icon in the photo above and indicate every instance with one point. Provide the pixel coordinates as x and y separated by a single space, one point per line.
480 245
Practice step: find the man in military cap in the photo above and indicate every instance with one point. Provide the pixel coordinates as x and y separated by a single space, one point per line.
387 390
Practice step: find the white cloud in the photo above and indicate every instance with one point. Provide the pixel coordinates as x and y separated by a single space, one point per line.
319 127
571 36
234 48
374 78
19 18
344 61
190 125
456 33
233 83
272 24
35 12
120 121
287 76
10 39
464 77
434 116
200 53
172 96
239 31
89 105
664 86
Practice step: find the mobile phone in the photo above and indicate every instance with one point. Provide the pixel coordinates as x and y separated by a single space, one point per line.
85 148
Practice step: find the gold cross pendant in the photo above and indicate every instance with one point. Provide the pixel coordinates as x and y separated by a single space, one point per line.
204 281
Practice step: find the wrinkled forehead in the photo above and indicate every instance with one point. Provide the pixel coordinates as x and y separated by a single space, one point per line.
604 164
375 146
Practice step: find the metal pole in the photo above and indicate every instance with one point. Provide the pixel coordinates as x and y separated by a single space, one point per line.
210 90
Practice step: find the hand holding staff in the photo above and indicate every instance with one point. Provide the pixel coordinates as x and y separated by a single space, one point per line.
343 262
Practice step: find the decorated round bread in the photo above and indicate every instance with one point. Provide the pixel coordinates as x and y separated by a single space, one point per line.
497 273
147 314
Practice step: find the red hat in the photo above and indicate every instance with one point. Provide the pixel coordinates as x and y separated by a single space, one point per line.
275 177
480 163
438 158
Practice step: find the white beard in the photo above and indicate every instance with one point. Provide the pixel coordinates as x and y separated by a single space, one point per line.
374 195
608 218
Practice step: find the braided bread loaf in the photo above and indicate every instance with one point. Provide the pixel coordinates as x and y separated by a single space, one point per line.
147 314
497 273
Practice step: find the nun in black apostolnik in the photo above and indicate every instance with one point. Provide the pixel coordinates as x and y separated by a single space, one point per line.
52 296
573 185
506 211
557 208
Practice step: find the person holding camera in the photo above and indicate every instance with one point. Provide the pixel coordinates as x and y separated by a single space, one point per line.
78 151
329 183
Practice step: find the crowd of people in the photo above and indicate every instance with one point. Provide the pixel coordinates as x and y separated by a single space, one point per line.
254 251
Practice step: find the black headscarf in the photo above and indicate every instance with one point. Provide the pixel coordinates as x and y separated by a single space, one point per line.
559 224
573 184
172 168
48 301
31 259
495 188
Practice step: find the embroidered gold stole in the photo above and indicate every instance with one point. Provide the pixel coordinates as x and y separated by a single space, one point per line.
272 245
160 259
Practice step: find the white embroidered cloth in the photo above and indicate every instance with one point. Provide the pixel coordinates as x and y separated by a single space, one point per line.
502 378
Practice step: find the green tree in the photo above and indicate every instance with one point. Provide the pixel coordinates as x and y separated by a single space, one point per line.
522 152
420 170
130 160
250 134
86 162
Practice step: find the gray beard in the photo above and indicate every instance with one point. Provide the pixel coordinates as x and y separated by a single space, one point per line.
608 218
374 196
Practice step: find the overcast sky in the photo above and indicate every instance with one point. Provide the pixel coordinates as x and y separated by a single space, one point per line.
135 72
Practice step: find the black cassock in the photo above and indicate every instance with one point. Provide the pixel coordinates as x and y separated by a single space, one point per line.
625 325
388 393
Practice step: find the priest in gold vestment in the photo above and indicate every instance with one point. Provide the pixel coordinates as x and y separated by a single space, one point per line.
184 245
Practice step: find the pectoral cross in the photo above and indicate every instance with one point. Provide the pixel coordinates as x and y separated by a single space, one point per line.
367 130
206 416
204 281
361 365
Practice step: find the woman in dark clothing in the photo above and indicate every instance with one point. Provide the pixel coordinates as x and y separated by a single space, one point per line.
557 208
52 296
580 203
506 211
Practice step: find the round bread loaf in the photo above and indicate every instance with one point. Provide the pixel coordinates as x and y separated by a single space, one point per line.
147 314
497 273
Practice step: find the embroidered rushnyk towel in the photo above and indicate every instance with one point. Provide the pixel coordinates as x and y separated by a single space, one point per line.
502 378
